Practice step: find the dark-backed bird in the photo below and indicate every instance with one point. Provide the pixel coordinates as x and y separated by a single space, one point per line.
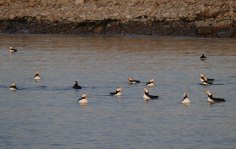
37 76
212 99
147 96
12 50
13 87
76 85
83 99
133 81
185 99
204 80
117 92
151 83
203 57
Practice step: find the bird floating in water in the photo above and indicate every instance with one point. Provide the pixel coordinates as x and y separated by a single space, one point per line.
203 57
117 92
212 99
147 96
151 83
185 99
37 76
133 80
12 50
205 81
83 99
13 87
76 85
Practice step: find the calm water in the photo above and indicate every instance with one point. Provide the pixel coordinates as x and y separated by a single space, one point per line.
45 114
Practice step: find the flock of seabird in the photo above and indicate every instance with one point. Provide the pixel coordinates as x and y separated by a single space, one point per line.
146 96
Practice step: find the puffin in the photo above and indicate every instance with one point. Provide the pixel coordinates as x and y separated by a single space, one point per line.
37 76
13 87
117 92
131 80
150 83
83 99
185 99
212 99
76 85
147 96
12 50
203 57
205 81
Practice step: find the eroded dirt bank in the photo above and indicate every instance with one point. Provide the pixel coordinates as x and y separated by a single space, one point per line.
211 18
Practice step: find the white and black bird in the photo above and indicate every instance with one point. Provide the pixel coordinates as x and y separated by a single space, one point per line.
150 83
185 99
76 85
147 96
37 76
12 50
117 92
132 80
212 99
203 57
205 81
83 99
13 87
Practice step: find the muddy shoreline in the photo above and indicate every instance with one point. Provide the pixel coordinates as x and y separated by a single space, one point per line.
29 25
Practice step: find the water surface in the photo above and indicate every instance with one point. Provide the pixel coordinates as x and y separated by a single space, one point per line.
45 114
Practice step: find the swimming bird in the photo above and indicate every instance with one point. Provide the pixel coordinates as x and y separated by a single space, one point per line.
83 99
203 57
133 81
146 95
204 80
185 99
212 99
117 92
151 83
12 50
13 87
37 76
76 85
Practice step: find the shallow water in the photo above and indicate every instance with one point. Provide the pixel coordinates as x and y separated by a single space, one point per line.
45 114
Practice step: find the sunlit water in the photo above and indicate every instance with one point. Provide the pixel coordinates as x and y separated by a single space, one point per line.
46 114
